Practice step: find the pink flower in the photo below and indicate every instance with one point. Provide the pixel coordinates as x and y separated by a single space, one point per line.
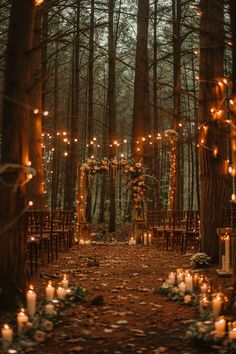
39 336
131 169
138 164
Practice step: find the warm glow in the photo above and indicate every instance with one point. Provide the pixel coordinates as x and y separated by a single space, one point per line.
66 153
36 111
38 2
30 203
45 113
215 151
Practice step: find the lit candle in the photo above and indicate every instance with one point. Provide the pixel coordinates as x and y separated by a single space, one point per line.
65 282
22 318
150 238
50 290
204 288
204 302
171 278
227 254
217 305
182 287
49 309
220 325
180 277
189 282
145 238
7 335
61 292
31 301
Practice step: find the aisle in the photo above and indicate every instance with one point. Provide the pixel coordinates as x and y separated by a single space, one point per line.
123 314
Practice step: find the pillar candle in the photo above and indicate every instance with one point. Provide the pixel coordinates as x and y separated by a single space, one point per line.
49 309
7 335
145 238
65 282
204 288
61 292
50 290
171 278
180 277
149 238
182 287
217 305
227 254
220 325
189 282
31 301
22 318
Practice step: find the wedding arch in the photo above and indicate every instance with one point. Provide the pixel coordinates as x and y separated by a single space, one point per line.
134 172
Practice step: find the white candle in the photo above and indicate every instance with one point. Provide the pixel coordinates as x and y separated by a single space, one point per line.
7 335
50 290
31 301
204 303
232 333
217 305
227 254
171 278
182 287
65 282
22 318
180 277
49 309
189 282
204 288
61 292
220 325
150 238
145 238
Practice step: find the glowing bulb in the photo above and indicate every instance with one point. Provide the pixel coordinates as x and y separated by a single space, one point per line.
31 203
233 197
45 113
30 176
65 140
38 2
64 133
29 163
180 124
125 141
75 140
36 111
215 151
65 153
94 139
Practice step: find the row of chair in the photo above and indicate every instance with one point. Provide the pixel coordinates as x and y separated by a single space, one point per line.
175 229
48 232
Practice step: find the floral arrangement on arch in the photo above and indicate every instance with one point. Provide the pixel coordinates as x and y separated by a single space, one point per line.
133 170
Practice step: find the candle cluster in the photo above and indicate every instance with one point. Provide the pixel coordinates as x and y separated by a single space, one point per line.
25 316
147 238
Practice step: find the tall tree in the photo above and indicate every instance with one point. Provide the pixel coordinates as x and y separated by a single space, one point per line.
213 137
36 187
141 80
14 158
111 107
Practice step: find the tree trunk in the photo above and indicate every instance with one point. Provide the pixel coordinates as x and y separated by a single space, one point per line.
111 110
36 188
213 137
90 103
233 116
141 92
177 157
15 151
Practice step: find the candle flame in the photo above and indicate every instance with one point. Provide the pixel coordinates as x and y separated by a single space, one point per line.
6 326
65 277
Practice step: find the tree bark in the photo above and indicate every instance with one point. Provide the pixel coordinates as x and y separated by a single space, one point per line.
15 151
213 137
36 187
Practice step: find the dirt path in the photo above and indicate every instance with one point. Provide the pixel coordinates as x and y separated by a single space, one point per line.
127 317
123 313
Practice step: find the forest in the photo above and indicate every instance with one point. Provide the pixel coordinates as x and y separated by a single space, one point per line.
112 113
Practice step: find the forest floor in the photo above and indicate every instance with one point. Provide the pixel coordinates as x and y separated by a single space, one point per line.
123 312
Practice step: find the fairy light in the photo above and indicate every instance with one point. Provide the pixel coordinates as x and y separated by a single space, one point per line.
29 163
65 140
233 197
75 140
38 2
215 151
30 203
65 153
36 111
64 133
45 113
